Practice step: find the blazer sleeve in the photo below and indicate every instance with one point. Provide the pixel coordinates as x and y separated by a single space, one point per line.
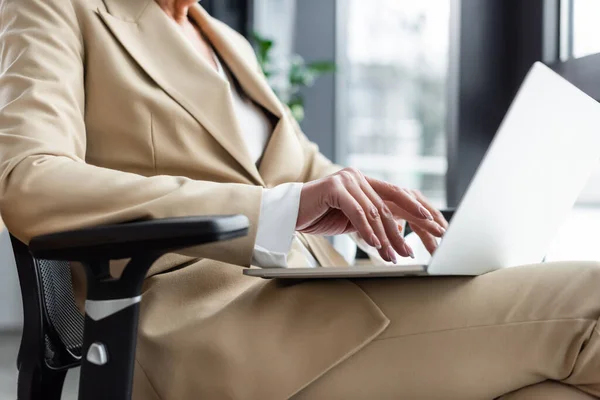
45 183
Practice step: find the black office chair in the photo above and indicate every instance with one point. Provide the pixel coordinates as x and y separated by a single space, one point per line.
57 337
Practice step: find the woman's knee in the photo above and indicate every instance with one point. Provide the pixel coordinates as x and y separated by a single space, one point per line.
567 289
554 277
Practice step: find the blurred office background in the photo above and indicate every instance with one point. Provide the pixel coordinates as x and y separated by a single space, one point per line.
420 90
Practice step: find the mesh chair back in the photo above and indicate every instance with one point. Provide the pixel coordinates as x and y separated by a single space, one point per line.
51 315
65 322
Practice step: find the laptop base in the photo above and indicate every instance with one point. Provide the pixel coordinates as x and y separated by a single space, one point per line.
338 272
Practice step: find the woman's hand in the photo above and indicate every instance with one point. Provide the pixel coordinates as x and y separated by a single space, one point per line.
347 202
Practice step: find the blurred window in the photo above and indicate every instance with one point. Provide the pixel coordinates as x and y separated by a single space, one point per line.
393 58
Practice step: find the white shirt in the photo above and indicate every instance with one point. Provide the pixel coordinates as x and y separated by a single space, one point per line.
279 206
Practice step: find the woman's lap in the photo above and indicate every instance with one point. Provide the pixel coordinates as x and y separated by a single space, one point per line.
457 337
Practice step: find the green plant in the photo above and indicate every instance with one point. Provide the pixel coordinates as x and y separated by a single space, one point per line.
289 76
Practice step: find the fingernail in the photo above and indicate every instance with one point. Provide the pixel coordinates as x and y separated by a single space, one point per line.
376 242
410 251
426 213
442 230
391 254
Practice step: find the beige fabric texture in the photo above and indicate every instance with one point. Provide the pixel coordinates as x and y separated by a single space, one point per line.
106 117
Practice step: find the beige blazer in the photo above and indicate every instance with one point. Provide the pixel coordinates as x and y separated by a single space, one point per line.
106 115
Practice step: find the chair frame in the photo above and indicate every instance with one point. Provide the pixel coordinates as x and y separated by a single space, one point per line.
112 304
37 379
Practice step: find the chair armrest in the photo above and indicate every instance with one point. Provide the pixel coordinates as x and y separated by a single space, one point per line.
127 240
113 304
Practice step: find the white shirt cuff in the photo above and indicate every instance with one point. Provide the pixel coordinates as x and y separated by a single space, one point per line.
276 225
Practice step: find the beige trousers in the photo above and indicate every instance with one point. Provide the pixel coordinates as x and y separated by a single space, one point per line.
515 332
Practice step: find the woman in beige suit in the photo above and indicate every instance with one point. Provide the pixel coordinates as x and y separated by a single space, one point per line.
115 110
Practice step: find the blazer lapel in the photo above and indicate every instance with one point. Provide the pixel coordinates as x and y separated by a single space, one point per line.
282 160
248 75
152 40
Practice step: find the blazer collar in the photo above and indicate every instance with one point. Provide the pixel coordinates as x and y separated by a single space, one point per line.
129 11
154 43
249 76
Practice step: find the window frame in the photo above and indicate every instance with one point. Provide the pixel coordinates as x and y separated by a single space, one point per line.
494 43
579 71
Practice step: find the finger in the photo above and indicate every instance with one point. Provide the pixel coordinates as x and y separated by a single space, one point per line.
430 226
392 229
388 254
372 213
382 253
428 240
355 214
378 218
437 215
400 227
401 197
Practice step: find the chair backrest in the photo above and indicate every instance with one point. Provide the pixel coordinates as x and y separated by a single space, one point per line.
53 325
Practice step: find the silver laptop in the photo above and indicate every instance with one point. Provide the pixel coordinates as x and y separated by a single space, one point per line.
538 163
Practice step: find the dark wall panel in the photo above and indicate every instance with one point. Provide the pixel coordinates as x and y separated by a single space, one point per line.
315 39
493 45
235 13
